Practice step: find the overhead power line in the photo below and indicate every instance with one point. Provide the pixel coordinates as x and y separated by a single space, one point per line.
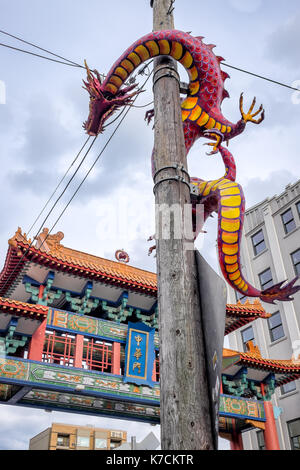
77 189
40 48
41 56
58 185
260 76
52 208
75 64
97 158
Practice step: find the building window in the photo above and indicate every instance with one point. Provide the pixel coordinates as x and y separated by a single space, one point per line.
265 279
294 433
63 440
83 441
298 208
288 221
275 326
100 443
240 297
115 443
247 335
261 440
258 242
287 388
296 261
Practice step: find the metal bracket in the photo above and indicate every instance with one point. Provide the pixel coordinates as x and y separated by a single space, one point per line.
175 178
184 88
177 167
171 74
194 189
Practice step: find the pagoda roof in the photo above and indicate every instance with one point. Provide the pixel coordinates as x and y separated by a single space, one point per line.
53 255
24 309
48 252
238 315
285 370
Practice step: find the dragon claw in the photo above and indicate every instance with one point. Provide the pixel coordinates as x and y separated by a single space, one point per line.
249 116
149 115
218 138
152 248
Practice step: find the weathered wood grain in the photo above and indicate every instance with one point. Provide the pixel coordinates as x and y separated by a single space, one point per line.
185 419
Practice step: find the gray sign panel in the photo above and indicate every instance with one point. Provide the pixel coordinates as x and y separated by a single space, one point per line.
213 297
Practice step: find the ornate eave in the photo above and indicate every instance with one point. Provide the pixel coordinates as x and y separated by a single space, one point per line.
51 254
238 315
23 309
285 371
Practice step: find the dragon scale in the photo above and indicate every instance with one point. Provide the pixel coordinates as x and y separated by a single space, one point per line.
206 88
202 117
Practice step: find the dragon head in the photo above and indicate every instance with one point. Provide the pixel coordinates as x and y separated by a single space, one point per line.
103 103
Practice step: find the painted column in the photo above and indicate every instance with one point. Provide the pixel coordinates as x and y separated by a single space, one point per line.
37 342
116 358
154 371
270 432
237 441
78 351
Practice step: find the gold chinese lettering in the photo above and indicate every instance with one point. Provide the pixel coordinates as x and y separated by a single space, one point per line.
138 339
137 365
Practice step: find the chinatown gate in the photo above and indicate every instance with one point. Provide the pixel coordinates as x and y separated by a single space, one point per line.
78 333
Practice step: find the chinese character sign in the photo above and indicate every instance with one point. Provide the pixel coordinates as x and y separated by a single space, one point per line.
139 354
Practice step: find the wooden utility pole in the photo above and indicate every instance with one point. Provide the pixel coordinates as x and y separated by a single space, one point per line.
185 408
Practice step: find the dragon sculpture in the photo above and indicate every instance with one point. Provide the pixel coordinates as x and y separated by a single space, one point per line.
202 117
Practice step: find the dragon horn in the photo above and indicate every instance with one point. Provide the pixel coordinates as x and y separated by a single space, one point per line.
89 73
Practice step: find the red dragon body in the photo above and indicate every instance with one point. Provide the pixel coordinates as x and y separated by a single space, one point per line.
202 117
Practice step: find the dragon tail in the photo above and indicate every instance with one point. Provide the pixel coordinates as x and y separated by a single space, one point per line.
231 210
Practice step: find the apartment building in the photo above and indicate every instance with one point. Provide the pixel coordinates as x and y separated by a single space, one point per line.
70 437
270 253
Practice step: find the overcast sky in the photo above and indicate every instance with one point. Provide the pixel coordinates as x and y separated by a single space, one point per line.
41 132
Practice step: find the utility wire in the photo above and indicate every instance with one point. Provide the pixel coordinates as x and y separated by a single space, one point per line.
78 188
40 48
47 216
260 76
74 64
60 182
41 56
68 184
142 106
95 161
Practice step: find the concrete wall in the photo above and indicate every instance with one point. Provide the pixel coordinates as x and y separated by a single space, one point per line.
41 441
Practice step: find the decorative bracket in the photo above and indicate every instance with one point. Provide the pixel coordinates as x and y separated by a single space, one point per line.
83 304
10 343
42 294
118 313
150 320
238 385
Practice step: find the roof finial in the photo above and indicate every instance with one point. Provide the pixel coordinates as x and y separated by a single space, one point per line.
122 256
